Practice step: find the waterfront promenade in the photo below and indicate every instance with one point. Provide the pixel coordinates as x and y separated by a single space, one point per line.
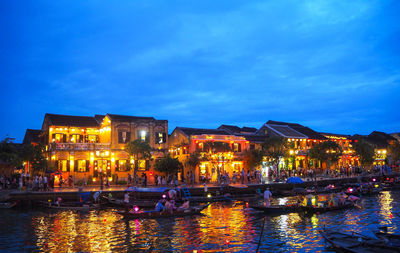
195 189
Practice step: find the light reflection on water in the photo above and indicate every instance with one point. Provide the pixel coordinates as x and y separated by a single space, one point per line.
222 228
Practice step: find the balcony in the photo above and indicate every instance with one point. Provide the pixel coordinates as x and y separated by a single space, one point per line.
79 146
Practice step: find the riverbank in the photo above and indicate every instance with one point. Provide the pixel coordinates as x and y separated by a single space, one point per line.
195 190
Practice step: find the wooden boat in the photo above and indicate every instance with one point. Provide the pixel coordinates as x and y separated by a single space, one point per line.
156 215
389 239
7 205
120 202
315 209
276 209
356 243
70 206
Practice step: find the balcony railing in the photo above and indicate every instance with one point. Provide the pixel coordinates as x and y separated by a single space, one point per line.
79 146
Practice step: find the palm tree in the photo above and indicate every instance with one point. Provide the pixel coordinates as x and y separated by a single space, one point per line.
139 150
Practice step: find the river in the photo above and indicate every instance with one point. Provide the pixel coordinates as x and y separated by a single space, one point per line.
223 227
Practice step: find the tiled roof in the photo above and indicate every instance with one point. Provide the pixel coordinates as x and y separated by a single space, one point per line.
255 138
230 128
115 117
237 130
311 134
99 118
285 131
249 129
380 139
31 136
68 120
198 131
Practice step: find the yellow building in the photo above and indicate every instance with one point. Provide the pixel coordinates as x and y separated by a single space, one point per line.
84 146
219 151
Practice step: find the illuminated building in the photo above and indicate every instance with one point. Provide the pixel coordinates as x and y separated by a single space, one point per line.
219 151
380 141
300 138
85 146
349 156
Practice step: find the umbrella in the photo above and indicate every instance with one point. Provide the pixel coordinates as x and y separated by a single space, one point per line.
130 189
294 180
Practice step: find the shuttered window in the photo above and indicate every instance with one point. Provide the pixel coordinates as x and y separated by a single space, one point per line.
124 137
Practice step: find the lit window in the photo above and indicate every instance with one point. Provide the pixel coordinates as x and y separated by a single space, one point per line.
143 135
81 166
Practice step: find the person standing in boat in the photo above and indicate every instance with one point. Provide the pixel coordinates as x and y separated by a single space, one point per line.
126 201
267 196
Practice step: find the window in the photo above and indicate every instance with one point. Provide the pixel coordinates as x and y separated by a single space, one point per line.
237 147
124 136
59 138
63 165
142 165
81 166
143 135
76 138
92 138
161 138
121 165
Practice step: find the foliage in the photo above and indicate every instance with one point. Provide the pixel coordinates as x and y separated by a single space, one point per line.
365 151
394 151
140 150
327 151
9 153
216 146
193 161
275 147
168 165
253 158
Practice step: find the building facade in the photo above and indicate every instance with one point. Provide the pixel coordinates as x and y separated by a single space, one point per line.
218 151
86 147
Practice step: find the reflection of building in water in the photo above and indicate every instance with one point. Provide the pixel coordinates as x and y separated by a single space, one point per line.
386 209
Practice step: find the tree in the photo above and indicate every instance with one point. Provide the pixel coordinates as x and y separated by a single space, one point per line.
274 148
9 153
217 147
253 158
327 151
168 165
193 161
365 151
139 150
394 151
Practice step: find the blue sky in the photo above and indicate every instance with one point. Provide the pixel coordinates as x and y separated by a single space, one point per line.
331 65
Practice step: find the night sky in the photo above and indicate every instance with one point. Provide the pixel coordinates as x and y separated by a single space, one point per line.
333 66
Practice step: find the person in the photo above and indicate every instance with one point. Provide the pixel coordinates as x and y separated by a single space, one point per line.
170 206
242 176
59 200
184 206
126 201
205 189
160 205
267 196
96 196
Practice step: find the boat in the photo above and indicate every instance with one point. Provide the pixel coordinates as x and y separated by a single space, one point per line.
156 215
276 209
356 243
7 205
120 202
390 239
70 206
316 209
